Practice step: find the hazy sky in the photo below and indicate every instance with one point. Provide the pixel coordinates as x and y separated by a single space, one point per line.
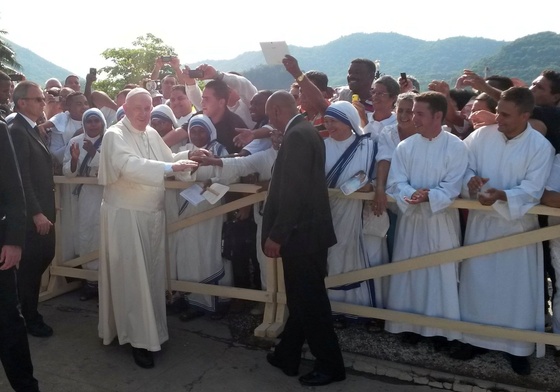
73 34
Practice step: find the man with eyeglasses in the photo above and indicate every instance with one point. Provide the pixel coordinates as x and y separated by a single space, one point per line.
14 346
35 164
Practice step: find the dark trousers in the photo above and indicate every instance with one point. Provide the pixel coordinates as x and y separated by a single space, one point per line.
548 267
14 347
36 257
309 315
239 240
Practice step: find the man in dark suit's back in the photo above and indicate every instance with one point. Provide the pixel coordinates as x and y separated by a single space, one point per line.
35 164
14 347
297 226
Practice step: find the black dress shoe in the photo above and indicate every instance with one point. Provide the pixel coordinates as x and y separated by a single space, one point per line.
317 378
39 329
520 365
274 361
143 357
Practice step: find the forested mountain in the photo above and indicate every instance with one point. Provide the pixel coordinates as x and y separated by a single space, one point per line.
526 57
35 67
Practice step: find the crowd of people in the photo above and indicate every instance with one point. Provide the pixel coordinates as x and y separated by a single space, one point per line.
489 139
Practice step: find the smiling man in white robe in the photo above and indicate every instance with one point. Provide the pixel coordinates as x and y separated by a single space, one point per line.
132 272
426 175
509 164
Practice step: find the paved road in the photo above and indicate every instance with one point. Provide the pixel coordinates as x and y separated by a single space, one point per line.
200 356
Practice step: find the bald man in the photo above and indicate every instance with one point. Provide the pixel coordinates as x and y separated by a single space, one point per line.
297 226
133 164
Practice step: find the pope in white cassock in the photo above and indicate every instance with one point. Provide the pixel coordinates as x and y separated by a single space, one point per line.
132 272
509 164
425 178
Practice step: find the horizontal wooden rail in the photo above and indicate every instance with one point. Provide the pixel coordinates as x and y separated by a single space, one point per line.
275 298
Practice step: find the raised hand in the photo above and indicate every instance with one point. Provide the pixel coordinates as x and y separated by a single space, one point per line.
291 65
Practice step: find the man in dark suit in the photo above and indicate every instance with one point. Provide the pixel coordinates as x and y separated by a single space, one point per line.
35 164
297 226
14 347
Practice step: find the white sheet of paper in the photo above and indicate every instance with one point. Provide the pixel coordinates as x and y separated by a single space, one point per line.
274 52
193 194
354 183
215 192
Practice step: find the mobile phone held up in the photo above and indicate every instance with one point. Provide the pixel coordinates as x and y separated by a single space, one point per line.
403 75
16 77
196 73
93 71
166 59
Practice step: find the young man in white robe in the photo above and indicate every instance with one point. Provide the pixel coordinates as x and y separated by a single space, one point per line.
509 164
132 271
426 174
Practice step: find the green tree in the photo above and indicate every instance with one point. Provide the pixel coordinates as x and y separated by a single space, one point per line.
132 65
8 61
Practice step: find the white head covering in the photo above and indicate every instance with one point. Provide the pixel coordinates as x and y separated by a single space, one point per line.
164 112
137 91
203 121
345 112
94 112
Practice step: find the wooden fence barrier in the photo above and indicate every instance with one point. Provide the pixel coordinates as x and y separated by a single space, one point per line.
275 298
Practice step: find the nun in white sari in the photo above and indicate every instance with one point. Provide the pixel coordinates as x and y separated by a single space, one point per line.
348 152
81 159
195 252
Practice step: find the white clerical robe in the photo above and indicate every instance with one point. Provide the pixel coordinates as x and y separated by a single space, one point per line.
132 270
437 164
88 199
505 288
351 251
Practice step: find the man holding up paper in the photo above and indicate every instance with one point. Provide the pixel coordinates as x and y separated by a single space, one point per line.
133 164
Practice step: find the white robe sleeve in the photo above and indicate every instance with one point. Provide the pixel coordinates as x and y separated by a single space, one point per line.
261 163
528 193
471 167
398 183
449 187
553 182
